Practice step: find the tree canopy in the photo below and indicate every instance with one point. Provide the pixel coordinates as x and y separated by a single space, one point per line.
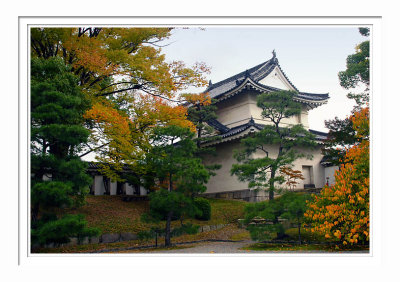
176 175
58 175
130 86
278 145
341 211
341 134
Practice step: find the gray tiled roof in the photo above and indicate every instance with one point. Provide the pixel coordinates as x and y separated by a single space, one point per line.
256 74
321 136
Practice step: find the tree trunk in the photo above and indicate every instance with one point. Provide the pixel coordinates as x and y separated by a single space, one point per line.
35 212
171 187
272 185
168 229
298 227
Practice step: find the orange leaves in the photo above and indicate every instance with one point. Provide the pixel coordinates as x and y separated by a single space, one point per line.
154 111
202 99
89 54
175 116
346 203
111 119
291 176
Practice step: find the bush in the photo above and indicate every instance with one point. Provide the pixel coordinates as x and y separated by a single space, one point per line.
204 207
61 230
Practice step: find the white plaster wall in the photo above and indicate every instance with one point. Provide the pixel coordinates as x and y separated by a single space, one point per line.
276 79
234 111
223 181
98 185
113 188
143 191
303 118
239 109
330 172
128 189
256 111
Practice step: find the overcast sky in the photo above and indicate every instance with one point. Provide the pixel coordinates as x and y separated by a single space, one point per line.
310 56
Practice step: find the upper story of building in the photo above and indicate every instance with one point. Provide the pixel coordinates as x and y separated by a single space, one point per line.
236 96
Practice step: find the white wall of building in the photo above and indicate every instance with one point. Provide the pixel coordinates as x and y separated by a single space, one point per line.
276 79
239 109
223 181
330 172
234 111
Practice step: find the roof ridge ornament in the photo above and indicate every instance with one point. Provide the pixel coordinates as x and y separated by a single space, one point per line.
209 83
247 74
251 121
273 54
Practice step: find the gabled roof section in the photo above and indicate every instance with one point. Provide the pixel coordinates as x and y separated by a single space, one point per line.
218 126
251 79
245 129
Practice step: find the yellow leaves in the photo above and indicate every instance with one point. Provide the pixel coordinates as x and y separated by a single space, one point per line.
202 99
345 205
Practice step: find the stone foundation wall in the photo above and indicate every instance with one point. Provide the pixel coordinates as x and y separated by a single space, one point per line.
121 237
246 195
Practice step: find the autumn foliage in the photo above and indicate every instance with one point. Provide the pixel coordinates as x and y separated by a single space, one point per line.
130 86
341 211
291 176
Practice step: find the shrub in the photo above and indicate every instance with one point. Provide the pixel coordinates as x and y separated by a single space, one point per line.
61 230
204 207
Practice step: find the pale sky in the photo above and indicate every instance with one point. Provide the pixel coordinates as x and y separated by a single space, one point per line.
310 56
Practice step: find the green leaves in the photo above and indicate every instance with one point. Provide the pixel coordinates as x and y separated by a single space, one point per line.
57 132
176 175
278 105
61 230
357 68
51 194
289 205
274 146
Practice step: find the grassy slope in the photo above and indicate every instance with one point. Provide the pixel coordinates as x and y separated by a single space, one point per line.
112 215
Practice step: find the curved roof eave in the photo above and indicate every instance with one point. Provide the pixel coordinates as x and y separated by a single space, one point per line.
249 83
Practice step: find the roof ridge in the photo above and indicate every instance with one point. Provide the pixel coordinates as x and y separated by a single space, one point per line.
240 75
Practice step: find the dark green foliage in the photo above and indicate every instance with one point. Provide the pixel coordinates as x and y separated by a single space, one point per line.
341 133
357 72
204 206
199 114
51 194
340 137
61 230
289 206
178 175
364 31
163 202
187 228
261 173
57 131
295 205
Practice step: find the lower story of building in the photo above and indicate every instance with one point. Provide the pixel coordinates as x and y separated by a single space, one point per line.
225 185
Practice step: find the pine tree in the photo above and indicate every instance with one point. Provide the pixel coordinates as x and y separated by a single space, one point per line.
58 175
178 176
273 139
341 135
201 111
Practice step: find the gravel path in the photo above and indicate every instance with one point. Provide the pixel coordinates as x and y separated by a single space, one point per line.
234 247
212 247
